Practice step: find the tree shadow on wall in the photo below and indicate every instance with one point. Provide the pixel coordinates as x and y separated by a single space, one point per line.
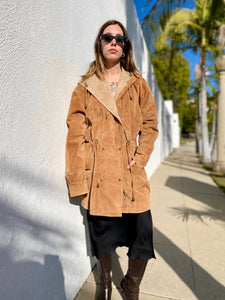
21 278
32 280
25 233
77 201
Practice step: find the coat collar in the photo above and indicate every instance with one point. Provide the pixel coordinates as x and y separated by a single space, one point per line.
101 90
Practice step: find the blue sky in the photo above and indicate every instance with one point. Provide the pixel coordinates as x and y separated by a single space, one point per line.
190 56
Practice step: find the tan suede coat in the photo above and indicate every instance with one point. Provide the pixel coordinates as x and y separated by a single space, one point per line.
102 140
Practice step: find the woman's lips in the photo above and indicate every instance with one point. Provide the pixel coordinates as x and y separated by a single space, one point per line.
112 50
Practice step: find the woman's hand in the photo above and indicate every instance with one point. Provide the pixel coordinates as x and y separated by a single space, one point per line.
131 164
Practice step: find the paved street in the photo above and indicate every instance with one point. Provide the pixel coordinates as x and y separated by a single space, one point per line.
189 217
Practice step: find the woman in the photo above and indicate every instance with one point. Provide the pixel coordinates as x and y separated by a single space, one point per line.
111 106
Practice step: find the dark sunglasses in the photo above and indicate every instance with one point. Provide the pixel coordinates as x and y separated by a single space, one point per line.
120 39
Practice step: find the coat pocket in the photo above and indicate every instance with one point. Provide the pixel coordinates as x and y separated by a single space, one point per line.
136 169
140 179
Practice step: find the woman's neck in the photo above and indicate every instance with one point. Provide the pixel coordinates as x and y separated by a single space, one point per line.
112 73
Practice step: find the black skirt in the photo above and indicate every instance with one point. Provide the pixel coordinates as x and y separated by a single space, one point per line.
131 230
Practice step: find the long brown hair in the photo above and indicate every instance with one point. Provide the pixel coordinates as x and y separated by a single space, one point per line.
98 67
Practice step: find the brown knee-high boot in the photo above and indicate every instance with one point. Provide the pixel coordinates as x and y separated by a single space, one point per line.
131 282
105 289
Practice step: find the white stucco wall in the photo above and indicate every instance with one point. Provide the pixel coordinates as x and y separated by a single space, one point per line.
174 124
44 47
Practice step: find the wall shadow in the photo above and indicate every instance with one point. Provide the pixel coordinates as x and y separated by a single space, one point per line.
21 278
32 280
202 284
77 201
14 220
25 235
93 261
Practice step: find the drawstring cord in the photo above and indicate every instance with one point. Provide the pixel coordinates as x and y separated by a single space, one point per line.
132 181
128 158
85 98
129 91
85 106
96 161
127 144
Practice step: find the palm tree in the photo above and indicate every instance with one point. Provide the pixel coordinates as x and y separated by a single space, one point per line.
198 30
157 17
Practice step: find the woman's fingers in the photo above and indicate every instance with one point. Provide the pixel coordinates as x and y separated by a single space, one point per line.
131 164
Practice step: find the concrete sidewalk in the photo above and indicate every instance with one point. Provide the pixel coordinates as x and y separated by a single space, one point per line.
189 216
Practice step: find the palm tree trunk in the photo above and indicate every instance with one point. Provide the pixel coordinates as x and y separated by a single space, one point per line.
203 103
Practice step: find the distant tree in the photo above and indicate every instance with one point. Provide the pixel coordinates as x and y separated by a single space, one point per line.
173 82
187 114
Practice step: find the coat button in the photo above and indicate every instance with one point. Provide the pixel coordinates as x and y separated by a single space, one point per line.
103 148
102 178
96 141
128 142
85 84
120 148
119 179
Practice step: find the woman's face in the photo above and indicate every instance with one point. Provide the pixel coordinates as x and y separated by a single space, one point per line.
112 51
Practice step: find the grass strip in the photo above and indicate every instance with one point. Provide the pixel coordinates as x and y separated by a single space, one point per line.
219 180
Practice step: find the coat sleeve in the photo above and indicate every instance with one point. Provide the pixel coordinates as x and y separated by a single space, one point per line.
75 144
149 131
